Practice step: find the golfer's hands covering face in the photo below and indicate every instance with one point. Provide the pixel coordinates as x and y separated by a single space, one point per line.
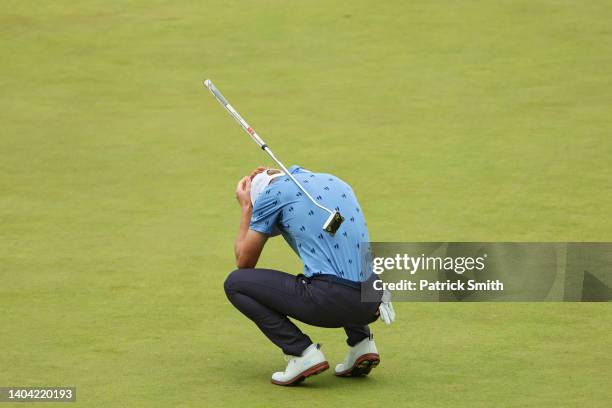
243 189
243 192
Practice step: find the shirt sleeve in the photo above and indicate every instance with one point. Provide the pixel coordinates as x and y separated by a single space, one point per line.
266 213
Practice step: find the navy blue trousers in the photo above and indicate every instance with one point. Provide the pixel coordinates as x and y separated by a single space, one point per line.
269 298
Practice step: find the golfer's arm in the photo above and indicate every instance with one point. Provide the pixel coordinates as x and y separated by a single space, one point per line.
249 243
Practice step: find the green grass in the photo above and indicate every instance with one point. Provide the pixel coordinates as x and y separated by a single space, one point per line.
465 120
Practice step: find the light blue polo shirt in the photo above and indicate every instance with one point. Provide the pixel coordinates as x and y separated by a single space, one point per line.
283 207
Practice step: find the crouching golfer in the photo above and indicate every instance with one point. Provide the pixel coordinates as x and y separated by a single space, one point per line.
328 294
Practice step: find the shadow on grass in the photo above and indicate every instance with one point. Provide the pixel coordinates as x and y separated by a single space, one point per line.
328 380
260 373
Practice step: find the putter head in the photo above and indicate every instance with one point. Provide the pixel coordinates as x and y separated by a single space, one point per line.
333 223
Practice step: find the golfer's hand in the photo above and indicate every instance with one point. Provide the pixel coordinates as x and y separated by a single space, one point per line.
243 192
387 314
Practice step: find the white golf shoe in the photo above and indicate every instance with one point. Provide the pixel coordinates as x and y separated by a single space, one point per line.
360 360
311 362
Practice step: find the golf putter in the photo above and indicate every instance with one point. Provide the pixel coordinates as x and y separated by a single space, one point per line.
335 219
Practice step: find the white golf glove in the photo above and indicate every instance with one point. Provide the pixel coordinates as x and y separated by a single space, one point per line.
387 314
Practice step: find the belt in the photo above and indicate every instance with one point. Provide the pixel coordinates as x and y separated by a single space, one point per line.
336 279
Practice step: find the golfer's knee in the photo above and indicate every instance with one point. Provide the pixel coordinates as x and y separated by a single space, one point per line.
233 282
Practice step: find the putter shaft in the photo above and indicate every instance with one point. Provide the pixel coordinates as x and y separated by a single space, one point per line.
243 123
